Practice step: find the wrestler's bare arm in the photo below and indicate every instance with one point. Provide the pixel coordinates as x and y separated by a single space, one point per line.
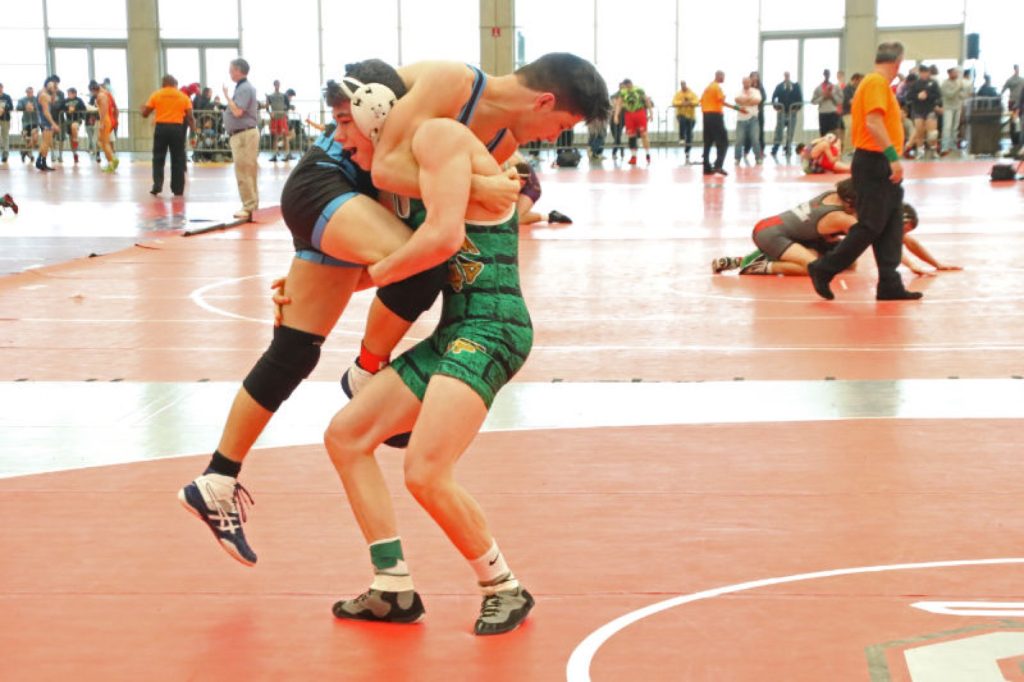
447 154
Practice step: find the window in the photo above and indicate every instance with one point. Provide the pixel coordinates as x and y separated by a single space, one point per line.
802 15
543 26
72 65
112 63
22 50
344 44
998 26
651 65
203 19
718 36
440 29
275 53
183 64
778 57
92 19
819 54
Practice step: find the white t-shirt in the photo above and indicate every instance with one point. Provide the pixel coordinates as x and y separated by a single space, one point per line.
748 111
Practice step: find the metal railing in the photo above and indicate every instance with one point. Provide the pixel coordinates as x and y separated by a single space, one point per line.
135 133
211 143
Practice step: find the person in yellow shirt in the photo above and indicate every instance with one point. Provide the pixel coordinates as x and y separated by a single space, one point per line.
173 112
685 103
877 180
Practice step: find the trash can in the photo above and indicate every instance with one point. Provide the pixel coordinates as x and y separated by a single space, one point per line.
984 124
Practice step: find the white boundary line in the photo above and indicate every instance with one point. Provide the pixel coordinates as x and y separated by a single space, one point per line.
578 668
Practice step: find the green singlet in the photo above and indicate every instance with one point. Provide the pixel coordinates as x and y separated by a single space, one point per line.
485 333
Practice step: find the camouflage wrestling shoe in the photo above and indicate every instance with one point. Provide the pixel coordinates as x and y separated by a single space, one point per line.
382 607
503 611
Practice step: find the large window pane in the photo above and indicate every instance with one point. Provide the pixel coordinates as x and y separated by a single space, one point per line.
543 26
802 15
733 49
91 19
653 67
218 64
422 23
211 18
998 24
72 65
113 64
922 12
183 64
778 57
344 46
819 54
290 56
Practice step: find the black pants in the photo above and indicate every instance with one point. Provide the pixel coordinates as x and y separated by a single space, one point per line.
828 123
617 135
169 136
716 136
879 223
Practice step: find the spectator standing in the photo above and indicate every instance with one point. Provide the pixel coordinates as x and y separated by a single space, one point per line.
637 107
73 115
755 82
953 98
29 108
848 92
828 99
924 99
712 104
6 106
987 89
685 102
787 99
746 122
278 106
617 124
173 113
240 124
877 182
1015 85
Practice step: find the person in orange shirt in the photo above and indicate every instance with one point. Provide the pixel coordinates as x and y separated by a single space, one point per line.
877 179
173 112
712 103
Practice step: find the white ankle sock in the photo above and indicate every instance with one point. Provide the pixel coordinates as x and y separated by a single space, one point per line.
492 572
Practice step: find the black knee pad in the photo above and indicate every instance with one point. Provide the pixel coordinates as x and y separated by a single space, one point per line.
632 142
292 356
412 297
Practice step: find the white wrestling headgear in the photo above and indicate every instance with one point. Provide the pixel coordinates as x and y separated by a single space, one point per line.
371 104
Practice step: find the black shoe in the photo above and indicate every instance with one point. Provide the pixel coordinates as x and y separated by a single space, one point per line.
708 171
274 158
154 191
381 607
556 217
720 171
4 159
898 295
820 281
503 611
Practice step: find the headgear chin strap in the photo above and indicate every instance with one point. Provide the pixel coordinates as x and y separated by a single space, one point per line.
371 104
